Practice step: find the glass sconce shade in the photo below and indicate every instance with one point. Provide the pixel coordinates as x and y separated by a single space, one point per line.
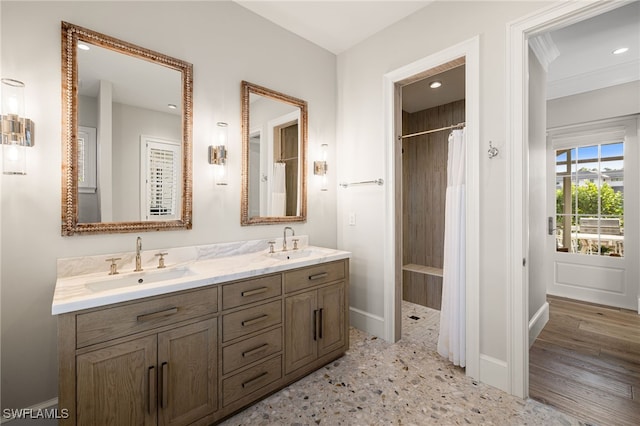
218 155
320 167
14 158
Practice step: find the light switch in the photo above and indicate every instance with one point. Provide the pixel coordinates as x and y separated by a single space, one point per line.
352 219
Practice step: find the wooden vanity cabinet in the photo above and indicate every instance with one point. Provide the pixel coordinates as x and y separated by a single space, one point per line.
166 379
198 356
316 315
155 371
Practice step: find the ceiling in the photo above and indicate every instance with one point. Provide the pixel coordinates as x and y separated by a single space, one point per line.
334 25
419 96
586 61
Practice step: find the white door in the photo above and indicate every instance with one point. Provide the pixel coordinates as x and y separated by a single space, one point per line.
593 194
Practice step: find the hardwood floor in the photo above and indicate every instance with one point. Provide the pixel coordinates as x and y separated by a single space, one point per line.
586 362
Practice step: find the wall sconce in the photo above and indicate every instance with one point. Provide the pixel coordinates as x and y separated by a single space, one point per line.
218 154
17 131
320 167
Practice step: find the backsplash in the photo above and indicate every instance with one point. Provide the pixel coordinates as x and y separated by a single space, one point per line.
74 266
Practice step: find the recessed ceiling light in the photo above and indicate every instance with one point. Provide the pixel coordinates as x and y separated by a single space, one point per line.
172 106
620 50
83 46
435 84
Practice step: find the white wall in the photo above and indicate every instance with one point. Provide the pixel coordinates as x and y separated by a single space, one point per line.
129 123
540 250
538 237
361 149
223 41
614 101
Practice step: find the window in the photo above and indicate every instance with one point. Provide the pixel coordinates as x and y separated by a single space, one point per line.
161 179
590 199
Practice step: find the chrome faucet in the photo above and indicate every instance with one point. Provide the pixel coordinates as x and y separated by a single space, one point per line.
138 258
284 238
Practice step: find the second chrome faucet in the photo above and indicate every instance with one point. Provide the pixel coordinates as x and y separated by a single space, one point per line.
284 237
138 258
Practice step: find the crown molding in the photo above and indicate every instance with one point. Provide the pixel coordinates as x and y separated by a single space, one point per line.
593 80
545 49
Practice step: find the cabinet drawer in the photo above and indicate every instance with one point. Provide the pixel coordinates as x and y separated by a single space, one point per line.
251 350
249 320
252 380
254 290
313 275
110 323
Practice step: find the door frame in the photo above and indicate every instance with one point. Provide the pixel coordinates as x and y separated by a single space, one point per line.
470 50
517 127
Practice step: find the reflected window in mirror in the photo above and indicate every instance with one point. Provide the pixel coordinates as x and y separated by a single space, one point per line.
274 131
138 104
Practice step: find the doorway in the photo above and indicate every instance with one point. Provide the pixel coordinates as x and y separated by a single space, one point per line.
393 83
431 107
520 32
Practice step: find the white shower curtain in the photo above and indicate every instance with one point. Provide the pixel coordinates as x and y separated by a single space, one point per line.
451 341
278 191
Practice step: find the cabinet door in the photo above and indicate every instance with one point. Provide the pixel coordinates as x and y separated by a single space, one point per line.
187 377
300 337
117 385
331 307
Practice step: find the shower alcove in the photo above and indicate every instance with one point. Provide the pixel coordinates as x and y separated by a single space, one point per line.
424 181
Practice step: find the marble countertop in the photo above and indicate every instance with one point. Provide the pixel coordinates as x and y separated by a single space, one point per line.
93 289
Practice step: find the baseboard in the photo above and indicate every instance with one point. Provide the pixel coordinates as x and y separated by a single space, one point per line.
366 322
494 372
538 322
8 417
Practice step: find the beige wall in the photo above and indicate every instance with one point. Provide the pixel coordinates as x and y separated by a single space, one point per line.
226 44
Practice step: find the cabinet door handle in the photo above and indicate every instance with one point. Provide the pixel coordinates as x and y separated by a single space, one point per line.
318 276
254 320
254 292
320 323
164 397
151 387
156 315
254 380
315 324
255 350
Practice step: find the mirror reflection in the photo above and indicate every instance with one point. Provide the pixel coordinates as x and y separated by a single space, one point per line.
131 111
137 103
274 138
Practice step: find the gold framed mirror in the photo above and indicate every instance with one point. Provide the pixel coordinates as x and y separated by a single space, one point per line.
274 157
126 136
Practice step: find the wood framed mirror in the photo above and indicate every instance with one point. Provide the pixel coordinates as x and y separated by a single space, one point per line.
274 157
126 136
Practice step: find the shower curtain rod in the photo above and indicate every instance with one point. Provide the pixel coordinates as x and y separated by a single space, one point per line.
455 126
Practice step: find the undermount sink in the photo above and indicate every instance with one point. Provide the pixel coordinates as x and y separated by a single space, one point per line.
138 278
290 254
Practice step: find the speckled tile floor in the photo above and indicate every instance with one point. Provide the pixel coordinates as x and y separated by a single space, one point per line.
408 383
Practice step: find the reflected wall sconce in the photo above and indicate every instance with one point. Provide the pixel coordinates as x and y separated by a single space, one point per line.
320 167
218 154
17 131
